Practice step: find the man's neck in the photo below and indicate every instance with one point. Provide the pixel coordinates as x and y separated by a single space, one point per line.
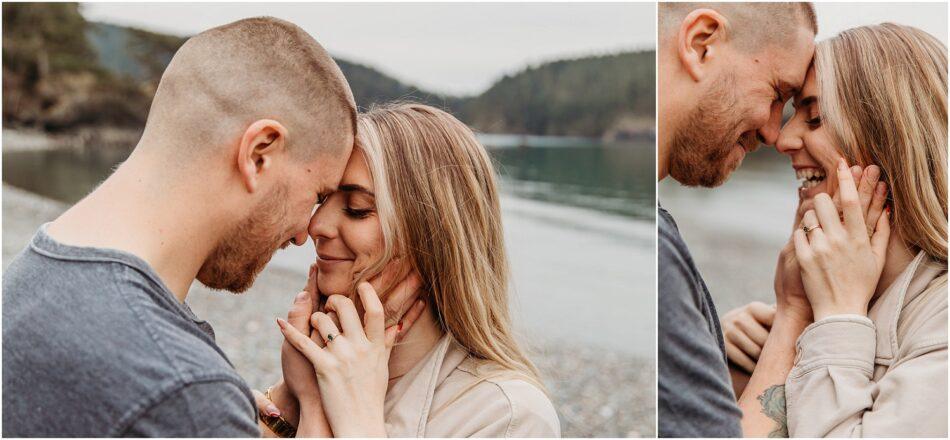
415 345
140 210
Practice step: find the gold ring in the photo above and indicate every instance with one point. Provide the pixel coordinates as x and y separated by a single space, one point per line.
807 229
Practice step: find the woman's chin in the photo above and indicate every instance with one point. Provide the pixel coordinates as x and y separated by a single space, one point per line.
331 286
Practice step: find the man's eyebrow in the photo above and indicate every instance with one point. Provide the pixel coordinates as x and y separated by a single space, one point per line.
352 187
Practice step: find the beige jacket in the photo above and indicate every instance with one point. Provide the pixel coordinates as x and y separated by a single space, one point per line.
443 397
883 375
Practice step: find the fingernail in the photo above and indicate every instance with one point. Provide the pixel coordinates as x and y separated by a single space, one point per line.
881 187
842 165
272 410
301 297
281 323
887 210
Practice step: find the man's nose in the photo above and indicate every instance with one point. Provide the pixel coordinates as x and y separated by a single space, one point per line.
769 132
300 238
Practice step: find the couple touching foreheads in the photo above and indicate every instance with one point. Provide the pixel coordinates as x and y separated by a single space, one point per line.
856 342
403 328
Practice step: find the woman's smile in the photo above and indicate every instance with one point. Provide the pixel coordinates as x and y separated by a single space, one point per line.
812 180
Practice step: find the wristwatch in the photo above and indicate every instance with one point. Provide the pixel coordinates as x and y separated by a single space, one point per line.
277 424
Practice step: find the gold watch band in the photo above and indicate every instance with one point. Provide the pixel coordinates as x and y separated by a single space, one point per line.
277 424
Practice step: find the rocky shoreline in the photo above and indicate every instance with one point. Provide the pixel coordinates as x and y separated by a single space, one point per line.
597 393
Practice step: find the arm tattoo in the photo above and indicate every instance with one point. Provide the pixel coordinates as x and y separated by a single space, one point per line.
773 406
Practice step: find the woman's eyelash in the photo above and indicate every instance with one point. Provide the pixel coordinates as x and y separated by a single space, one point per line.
322 198
814 121
357 213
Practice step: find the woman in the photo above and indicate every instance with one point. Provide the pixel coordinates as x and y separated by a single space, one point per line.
418 195
874 363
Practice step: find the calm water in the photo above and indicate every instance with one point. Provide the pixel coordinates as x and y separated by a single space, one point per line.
578 225
609 178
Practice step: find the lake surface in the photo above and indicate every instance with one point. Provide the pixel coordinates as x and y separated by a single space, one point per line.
578 224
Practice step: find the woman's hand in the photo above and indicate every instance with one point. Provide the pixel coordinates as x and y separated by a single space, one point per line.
840 263
352 363
745 330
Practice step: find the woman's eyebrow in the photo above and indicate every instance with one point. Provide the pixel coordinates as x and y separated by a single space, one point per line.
352 187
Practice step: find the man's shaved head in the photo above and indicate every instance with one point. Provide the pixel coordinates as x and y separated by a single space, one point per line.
751 26
222 80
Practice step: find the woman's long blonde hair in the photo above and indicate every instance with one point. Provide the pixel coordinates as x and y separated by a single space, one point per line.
437 200
883 94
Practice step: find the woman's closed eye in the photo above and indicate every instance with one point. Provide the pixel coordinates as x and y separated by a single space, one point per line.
357 213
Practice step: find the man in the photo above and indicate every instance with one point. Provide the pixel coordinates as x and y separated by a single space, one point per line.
251 124
725 72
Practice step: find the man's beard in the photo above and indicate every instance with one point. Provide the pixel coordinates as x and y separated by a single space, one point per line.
700 147
242 254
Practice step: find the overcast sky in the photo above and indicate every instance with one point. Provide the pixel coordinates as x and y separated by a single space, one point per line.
836 17
459 48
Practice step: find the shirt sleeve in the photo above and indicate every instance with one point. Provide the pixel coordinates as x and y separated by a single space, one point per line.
203 409
695 397
830 391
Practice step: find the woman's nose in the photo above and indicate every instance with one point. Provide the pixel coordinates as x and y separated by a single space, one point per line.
789 141
322 224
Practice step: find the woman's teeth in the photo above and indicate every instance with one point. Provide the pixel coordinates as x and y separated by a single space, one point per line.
810 177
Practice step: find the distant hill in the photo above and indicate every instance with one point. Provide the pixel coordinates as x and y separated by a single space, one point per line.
582 97
61 72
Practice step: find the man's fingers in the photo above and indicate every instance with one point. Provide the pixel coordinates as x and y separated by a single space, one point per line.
763 313
745 343
300 310
264 405
756 332
312 279
739 358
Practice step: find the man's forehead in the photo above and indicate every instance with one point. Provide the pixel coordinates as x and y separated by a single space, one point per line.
790 64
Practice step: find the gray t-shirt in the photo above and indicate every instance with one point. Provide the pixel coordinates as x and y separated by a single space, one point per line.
95 345
695 397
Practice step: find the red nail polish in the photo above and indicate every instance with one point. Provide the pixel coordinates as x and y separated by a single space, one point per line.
400 326
887 209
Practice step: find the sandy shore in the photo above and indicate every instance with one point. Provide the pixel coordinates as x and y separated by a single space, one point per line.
597 393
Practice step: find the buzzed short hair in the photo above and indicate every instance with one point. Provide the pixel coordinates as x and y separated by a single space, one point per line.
753 25
222 80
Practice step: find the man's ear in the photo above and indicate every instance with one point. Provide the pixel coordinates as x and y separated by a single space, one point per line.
700 35
262 140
